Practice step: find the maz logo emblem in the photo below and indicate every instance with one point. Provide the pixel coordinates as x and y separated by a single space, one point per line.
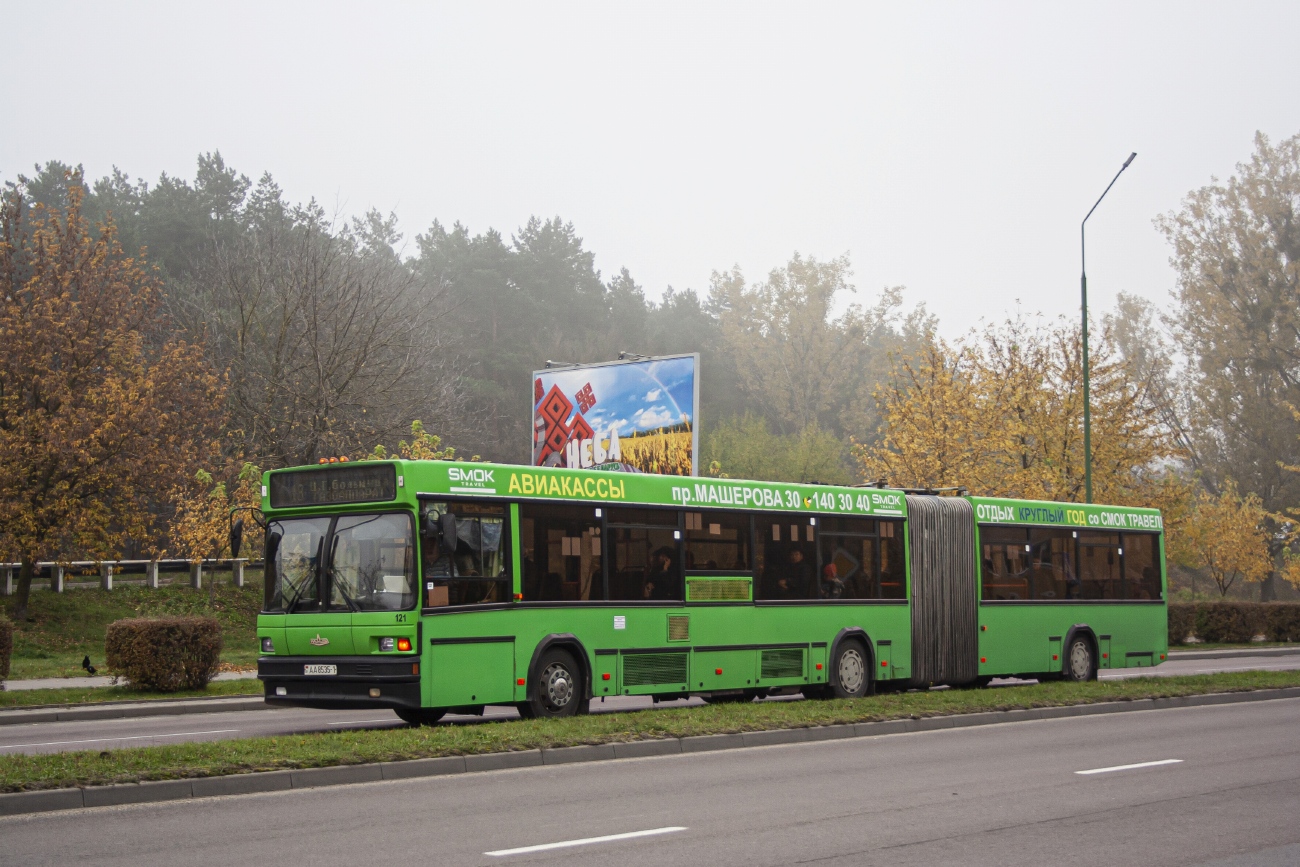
320 642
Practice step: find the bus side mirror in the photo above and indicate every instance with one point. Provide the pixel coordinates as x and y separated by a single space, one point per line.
447 529
236 537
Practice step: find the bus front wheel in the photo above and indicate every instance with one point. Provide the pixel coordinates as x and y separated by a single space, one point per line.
852 671
421 717
1082 662
556 689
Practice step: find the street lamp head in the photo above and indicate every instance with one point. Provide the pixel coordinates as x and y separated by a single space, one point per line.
1130 159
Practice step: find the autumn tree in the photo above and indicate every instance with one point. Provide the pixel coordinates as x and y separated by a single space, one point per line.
101 407
1236 250
205 505
1227 535
1000 414
422 446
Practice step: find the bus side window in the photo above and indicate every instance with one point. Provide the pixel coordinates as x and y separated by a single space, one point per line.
1004 575
1099 565
471 569
893 562
562 553
1052 565
717 542
1141 569
644 552
788 559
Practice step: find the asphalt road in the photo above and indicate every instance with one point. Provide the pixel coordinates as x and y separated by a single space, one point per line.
1212 786
147 731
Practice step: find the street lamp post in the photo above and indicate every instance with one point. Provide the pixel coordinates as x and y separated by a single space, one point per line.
1083 289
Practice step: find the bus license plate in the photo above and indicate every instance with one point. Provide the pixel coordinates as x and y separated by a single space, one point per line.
320 669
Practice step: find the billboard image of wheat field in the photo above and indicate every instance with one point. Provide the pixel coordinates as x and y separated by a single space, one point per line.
633 416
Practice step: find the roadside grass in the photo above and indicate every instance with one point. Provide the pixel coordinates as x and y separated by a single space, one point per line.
357 746
67 626
27 698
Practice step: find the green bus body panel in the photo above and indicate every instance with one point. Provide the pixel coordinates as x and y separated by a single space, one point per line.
478 657
1022 638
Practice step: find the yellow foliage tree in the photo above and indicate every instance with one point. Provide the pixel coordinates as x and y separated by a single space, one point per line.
100 404
1225 535
1001 415
201 528
423 446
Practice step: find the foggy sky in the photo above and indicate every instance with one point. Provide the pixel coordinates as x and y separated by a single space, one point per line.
950 148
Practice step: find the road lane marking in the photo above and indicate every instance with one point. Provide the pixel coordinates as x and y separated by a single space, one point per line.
131 738
522 850
1130 767
357 722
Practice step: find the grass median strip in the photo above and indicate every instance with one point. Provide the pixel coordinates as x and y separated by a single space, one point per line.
15 699
323 749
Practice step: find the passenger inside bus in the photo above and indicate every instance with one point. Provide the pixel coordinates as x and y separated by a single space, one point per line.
832 585
662 580
792 579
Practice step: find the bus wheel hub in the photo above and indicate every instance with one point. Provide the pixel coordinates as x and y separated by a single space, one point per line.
559 687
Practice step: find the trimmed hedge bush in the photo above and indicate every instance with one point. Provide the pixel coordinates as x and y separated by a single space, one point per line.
165 654
1182 622
1284 622
6 646
1233 622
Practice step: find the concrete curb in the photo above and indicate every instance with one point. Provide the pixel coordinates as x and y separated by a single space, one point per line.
1233 653
18 803
123 710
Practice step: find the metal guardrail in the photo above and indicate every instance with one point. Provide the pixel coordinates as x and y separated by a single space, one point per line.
57 574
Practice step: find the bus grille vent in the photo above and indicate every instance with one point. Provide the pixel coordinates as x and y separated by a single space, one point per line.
782 663
717 589
679 627
364 671
645 669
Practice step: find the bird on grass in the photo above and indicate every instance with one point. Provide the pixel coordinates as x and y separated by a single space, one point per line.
90 669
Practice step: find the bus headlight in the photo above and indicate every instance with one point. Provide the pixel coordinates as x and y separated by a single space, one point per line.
268 646
387 644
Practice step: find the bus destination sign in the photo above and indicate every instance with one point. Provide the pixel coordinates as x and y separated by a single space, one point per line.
334 485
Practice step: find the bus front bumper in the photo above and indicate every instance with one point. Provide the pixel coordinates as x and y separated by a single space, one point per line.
357 682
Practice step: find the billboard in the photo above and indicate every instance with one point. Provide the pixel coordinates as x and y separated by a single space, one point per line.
634 416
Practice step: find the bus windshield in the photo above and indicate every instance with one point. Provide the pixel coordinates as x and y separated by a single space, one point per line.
353 562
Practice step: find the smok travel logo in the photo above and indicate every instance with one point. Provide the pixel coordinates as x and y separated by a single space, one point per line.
471 480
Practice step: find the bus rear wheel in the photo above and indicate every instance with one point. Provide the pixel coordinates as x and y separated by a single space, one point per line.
422 717
556 689
1081 664
852 671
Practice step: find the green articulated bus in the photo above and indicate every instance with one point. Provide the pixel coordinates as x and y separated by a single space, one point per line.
431 587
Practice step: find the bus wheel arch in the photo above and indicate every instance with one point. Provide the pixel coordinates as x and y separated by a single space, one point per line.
551 650
1080 633
849 641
